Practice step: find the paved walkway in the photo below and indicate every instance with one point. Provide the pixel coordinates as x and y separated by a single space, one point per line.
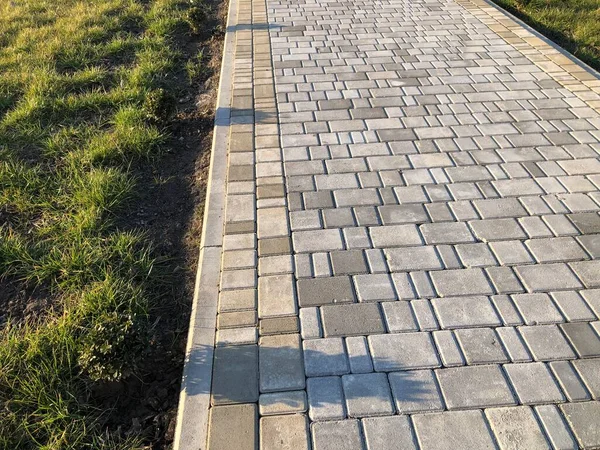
411 233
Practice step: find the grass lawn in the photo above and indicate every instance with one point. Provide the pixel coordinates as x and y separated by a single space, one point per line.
572 24
95 143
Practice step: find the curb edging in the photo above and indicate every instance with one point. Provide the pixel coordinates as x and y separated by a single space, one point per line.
194 400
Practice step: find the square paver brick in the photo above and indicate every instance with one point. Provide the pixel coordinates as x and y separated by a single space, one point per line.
367 394
325 357
415 391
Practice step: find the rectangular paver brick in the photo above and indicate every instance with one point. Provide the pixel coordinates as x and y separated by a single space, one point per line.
474 387
325 357
352 319
324 291
415 391
450 283
405 351
516 428
381 433
455 429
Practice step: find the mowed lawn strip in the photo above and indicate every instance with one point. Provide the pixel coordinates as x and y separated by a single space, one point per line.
572 24
87 91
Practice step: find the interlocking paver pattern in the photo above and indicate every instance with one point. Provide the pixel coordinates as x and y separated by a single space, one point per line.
411 232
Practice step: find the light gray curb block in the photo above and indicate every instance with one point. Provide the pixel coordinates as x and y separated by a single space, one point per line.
194 400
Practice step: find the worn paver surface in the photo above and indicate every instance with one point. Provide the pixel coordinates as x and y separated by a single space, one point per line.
411 233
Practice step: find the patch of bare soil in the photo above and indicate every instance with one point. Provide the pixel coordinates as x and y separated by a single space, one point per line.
169 206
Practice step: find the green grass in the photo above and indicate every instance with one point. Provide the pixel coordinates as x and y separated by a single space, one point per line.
572 24
86 93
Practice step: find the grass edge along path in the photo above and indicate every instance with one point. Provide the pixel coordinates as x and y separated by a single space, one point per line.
87 98
572 24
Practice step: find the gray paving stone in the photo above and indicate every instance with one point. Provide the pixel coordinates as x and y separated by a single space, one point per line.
591 244
275 265
446 233
235 375
572 306
399 317
474 387
376 287
353 319
504 280
394 236
516 428
586 223
233 426
555 427
465 312
280 363
412 258
236 319
272 222
325 357
402 214
560 249
546 343
238 279
324 291
569 381
424 314
448 348
310 323
455 429
583 338
537 309
588 272
348 262
405 351
276 403
278 325
449 283
499 208
548 277
239 299
276 296
388 433
358 355
415 391
367 394
589 370
583 419
325 399
480 346
336 435
317 240
497 229
475 255
289 431
507 310
533 383
237 336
